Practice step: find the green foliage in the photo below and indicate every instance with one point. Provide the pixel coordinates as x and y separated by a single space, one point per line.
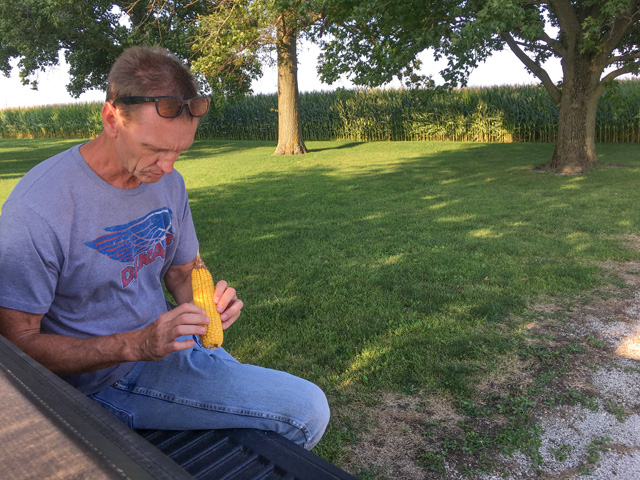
374 40
561 453
91 34
597 447
496 114
232 39
80 120
236 37
225 42
617 410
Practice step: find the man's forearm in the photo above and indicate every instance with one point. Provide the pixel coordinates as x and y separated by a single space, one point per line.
65 355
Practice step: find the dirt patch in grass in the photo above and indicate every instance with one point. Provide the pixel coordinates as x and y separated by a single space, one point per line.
566 405
403 426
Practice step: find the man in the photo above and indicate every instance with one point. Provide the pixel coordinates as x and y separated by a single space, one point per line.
86 239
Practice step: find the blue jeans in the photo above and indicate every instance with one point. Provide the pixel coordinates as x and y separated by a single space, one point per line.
198 389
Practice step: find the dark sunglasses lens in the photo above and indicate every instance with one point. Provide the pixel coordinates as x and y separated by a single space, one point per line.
199 106
169 107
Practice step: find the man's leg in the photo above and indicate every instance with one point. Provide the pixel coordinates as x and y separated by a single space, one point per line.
209 389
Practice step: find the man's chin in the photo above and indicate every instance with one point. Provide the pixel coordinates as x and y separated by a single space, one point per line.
152 177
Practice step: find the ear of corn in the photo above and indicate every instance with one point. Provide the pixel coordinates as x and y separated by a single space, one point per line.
203 287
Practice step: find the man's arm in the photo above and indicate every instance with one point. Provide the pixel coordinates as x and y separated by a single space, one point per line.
66 355
178 283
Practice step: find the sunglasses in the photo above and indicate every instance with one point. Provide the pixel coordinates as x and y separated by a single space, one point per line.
170 107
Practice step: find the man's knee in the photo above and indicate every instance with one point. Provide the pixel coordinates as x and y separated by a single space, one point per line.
318 421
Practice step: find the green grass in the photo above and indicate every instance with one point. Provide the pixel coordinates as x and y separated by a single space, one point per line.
391 266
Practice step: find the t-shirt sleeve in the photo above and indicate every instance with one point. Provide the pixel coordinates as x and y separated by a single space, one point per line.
30 260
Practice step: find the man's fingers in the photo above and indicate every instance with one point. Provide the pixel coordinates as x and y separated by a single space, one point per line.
231 314
228 297
233 309
188 314
184 329
182 345
221 287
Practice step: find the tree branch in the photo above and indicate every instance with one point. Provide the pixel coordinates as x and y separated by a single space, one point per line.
215 35
534 46
555 45
630 68
623 58
621 25
537 70
566 16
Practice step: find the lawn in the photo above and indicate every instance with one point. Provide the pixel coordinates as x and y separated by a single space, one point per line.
392 266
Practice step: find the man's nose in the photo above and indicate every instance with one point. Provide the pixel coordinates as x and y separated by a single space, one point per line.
166 164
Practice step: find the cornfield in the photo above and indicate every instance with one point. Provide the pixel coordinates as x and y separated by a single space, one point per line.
490 114
79 120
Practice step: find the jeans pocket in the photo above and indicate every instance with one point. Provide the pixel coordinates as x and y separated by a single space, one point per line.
122 415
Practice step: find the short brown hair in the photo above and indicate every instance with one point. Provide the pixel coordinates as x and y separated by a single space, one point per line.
149 71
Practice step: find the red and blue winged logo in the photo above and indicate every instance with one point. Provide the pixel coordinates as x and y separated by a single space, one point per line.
138 242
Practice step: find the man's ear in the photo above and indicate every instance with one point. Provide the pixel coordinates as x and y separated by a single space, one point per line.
110 119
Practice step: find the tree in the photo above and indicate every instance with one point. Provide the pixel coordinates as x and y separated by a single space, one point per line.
91 34
289 125
225 42
596 41
241 33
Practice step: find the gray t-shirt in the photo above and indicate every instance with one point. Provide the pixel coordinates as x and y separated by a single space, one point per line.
90 256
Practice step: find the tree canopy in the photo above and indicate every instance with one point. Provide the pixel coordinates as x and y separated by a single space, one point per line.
91 34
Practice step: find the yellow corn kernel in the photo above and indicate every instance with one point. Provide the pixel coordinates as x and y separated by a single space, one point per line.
203 287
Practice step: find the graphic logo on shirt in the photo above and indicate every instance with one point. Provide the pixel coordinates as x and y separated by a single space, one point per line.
137 243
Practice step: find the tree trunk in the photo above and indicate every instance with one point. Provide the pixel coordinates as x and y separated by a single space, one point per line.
289 128
575 149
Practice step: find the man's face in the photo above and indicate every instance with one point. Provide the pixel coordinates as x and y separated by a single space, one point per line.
149 145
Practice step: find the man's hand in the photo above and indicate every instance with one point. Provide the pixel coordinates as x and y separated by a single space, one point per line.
66 355
228 304
158 339
178 282
71 355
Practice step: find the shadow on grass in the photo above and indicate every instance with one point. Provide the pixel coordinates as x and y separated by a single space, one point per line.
18 156
404 274
220 147
396 273
337 147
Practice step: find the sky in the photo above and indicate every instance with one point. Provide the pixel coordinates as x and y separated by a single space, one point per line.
502 68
